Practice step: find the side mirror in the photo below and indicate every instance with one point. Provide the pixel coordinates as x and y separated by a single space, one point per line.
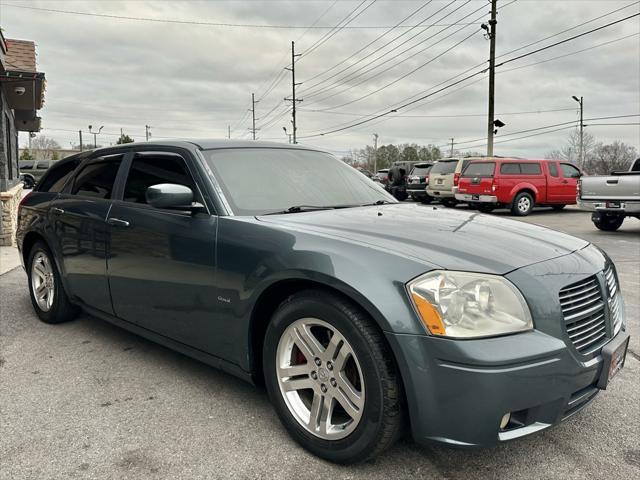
170 196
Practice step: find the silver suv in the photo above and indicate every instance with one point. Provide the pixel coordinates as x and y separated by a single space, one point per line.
443 179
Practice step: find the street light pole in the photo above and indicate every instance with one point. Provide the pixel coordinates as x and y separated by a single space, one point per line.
581 153
375 153
95 135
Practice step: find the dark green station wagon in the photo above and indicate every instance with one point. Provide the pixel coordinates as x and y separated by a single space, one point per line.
364 318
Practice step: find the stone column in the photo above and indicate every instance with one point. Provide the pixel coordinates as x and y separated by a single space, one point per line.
9 202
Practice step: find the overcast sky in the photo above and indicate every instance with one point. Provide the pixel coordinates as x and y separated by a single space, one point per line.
189 80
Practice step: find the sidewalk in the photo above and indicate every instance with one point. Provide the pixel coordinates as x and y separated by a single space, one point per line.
9 259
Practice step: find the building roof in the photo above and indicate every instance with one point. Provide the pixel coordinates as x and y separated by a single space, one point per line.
21 56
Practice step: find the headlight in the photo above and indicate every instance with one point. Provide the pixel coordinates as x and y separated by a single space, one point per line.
463 305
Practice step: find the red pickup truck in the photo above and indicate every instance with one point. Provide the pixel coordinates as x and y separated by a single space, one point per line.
518 184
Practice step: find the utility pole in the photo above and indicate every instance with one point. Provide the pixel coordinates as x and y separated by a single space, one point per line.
451 154
581 152
293 98
253 115
147 132
375 153
80 135
491 30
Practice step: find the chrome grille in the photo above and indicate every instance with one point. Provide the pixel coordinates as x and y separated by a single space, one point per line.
614 299
584 314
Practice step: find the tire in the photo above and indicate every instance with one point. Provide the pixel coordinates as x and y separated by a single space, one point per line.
449 202
609 223
54 306
485 208
366 370
557 208
522 205
427 200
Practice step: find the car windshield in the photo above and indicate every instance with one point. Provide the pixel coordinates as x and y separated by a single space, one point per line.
256 181
444 167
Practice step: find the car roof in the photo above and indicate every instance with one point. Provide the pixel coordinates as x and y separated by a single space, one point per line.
511 160
213 143
423 164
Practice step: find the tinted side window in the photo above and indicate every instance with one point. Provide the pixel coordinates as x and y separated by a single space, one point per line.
148 171
553 170
96 180
480 169
42 165
569 171
26 165
57 177
636 166
530 168
445 167
510 168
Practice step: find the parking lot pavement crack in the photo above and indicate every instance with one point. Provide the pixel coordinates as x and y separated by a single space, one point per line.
633 354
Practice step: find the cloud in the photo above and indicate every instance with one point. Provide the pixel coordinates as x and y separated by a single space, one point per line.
195 80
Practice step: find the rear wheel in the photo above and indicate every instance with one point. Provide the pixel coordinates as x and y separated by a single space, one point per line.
449 202
485 208
48 296
609 223
522 204
331 378
427 200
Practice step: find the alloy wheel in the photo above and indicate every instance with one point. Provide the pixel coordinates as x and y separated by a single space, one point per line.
320 378
524 204
43 281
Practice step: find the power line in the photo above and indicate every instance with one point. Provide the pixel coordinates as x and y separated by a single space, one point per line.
191 22
395 110
460 115
349 76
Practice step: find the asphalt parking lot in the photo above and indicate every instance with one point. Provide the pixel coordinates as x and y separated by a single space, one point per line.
89 400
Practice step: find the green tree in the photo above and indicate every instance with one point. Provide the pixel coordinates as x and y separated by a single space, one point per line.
124 138
26 155
409 154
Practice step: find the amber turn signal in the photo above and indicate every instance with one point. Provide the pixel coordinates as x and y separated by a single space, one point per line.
429 315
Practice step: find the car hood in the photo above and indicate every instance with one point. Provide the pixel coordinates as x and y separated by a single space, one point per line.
446 238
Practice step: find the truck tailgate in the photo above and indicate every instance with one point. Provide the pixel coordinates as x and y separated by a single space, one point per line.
614 187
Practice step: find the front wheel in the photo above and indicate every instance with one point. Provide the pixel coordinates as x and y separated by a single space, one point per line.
331 378
609 223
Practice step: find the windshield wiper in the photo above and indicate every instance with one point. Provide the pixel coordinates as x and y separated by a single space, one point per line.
377 202
301 208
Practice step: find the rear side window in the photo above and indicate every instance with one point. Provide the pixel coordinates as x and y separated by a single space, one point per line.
530 168
553 170
420 170
26 165
96 179
569 171
42 165
56 178
148 171
443 168
510 169
480 169
636 166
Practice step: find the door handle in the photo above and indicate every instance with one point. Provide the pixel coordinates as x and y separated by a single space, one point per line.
116 222
57 211
565 181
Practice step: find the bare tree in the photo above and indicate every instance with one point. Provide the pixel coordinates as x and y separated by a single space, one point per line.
604 159
44 147
571 150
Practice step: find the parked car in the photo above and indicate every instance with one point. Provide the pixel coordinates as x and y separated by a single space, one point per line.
418 181
518 184
407 165
443 179
365 172
362 315
31 171
612 197
381 176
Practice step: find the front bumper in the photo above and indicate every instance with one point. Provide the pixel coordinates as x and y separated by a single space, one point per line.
466 197
624 208
462 396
